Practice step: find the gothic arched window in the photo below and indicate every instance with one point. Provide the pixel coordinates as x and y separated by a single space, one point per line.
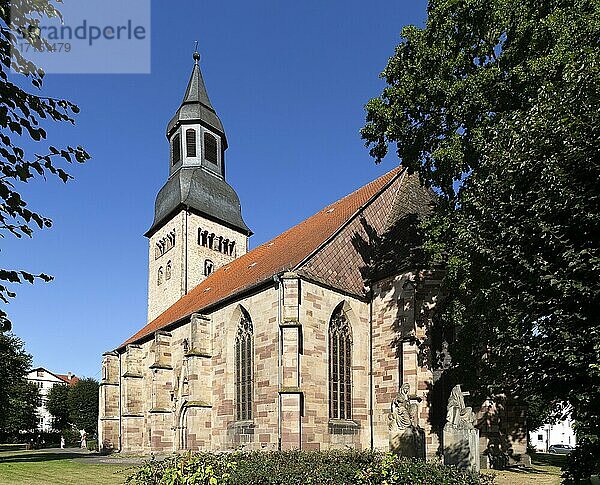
340 366
159 279
243 368
210 149
176 149
190 142
209 267
168 271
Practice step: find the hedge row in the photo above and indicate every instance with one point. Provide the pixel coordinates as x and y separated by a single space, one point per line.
296 467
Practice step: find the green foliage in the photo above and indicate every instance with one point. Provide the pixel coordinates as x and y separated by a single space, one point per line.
57 404
297 467
23 153
83 405
495 105
21 414
14 365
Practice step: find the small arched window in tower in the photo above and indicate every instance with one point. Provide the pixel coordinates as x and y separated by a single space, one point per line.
340 366
211 240
168 271
209 267
220 243
204 238
159 278
243 368
232 248
226 246
176 149
190 142
211 149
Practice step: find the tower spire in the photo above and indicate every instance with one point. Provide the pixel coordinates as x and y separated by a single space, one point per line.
196 105
196 55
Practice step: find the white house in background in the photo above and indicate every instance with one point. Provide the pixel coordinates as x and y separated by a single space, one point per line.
45 380
561 433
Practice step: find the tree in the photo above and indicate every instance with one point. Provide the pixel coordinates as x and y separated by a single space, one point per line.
57 404
21 414
83 405
495 105
18 399
23 154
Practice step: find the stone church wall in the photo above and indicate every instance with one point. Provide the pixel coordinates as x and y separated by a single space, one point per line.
177 390
401 314
318 431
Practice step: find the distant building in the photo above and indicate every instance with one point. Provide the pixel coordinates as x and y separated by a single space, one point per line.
561 433
45 380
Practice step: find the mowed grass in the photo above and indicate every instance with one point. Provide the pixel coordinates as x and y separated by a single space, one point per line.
51 467
545 470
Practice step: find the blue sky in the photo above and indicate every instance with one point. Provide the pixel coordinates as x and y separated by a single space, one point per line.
288 79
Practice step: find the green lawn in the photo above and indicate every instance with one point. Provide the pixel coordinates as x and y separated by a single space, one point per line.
545 470
68 467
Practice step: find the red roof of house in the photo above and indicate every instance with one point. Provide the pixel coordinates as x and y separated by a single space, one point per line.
282 253
72 381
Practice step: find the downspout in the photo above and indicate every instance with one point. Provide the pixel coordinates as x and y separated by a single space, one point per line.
120 407
185 284
370 297
277 281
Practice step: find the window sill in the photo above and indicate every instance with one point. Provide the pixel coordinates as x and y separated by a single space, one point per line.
343 426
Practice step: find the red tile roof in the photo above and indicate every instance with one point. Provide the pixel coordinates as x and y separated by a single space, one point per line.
72 381
285 252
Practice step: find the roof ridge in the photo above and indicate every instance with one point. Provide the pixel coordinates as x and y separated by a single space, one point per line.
400 172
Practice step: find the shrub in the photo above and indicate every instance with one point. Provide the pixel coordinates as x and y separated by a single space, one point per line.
296 467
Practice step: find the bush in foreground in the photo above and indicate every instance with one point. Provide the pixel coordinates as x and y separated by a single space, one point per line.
296 467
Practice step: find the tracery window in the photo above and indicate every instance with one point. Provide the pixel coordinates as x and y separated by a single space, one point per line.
210 149
340 366
190 142
243 368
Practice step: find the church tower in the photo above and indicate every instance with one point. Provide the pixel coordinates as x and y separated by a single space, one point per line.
198 225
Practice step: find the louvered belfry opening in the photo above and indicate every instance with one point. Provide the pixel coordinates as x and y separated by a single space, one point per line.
210 149
190 142
340 366
243 368
176 149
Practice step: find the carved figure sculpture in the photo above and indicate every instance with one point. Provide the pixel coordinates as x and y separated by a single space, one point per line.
404 414
458 415
406 438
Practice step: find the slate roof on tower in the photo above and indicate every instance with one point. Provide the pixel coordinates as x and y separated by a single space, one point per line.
196 105
191 185
340 231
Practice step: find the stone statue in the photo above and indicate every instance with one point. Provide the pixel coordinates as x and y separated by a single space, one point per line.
459 416
460 437
406 438
404 414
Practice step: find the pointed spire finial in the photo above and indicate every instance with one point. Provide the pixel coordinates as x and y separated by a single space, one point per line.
196 54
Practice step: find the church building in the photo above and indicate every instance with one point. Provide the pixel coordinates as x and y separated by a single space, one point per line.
302 343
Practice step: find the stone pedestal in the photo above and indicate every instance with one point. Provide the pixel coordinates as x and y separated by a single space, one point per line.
409 442
461 448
